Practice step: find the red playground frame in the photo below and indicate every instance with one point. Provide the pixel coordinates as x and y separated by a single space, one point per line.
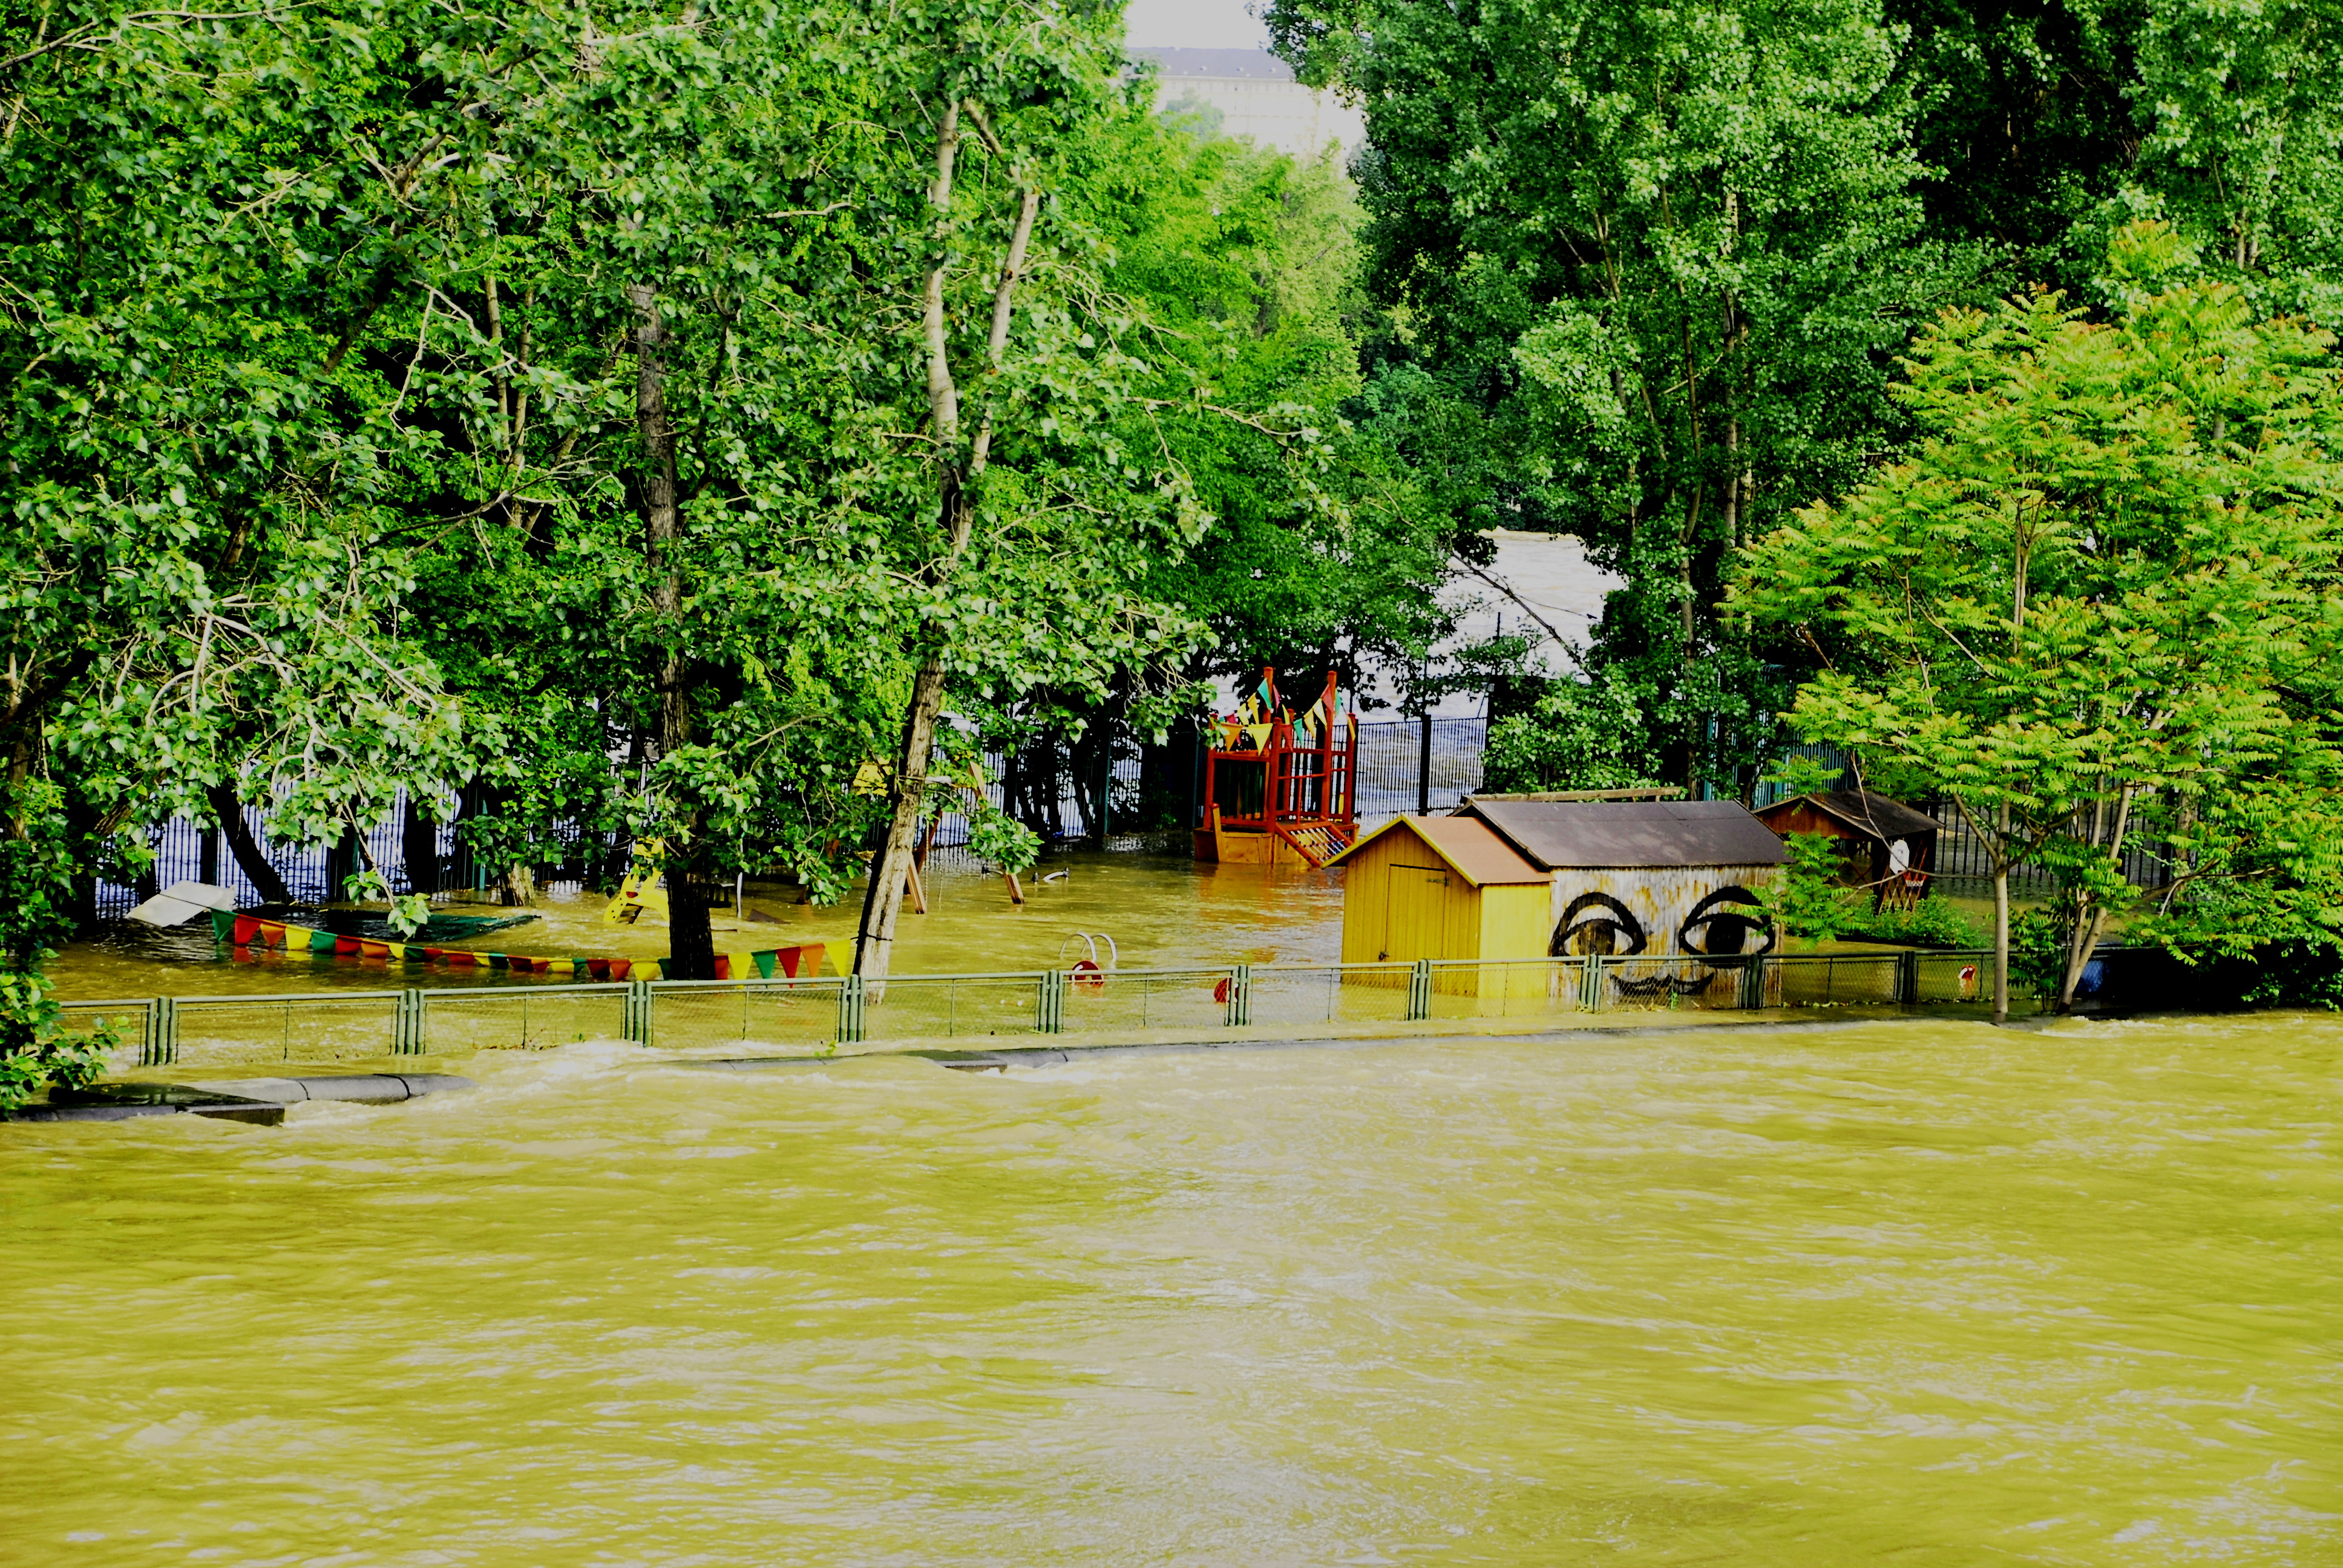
1278 786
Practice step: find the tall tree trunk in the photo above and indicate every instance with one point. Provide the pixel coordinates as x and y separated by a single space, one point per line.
2001 924
1732 483
957 476
691 945
81 823
250 856
2091 916
890 869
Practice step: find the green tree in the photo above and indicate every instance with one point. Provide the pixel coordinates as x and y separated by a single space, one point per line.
1019 556
1577 736
2242 107
2089 610
1661 255
197 601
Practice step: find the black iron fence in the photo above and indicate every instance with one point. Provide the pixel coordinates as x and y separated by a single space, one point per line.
1406 766
1418 765
187 850
1961 853
1412 765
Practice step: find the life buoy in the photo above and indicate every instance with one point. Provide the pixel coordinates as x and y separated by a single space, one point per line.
1088 975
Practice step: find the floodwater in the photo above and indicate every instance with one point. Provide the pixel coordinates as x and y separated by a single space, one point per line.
1155 911
1921 1293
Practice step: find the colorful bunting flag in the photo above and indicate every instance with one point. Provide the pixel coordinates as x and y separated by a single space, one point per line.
801 962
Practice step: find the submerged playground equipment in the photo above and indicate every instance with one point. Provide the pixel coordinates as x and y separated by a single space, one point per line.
1279 787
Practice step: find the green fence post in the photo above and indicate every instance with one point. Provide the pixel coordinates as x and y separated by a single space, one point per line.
1419 990
1593 982
408 1034
1907 977
639 1011
1050 1002
162 1032
1239 1008
1752 985
849 1010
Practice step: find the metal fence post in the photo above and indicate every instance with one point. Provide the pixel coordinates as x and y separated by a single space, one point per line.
1419 990
1593 997
849 1010
1907 977
1752 985
408 1031
639 1011
1239 1008
1424 766
162 1045
1050 1002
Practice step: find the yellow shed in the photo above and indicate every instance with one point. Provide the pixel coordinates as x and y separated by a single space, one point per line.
1441 888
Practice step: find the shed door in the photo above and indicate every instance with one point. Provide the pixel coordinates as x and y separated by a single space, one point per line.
1417 925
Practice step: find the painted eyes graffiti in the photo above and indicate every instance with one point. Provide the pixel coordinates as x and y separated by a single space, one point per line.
1596 923
1724 930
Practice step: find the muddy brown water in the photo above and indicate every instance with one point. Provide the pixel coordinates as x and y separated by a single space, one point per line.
1923 1293
1160 911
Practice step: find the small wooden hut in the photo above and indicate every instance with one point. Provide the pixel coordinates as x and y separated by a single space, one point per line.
1661 877
1884 844
1439 887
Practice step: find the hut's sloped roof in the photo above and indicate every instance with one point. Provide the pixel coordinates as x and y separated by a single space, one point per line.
1874 816
1468 847
1624 833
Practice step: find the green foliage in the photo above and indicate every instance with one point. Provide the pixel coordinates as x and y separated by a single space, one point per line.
2028 126
34 1052
1806 897
331 336
995 836
407 913
1932 922
2038 952
1644 268
2091 609
1240 266
2242 109
1794 774
1577 735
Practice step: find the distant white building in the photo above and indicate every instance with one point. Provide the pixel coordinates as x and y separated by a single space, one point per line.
1257 96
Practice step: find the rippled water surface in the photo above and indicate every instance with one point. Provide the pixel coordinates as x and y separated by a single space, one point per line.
1160 910
1908 1293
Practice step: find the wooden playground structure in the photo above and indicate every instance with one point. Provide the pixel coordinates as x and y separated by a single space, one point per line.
1279 787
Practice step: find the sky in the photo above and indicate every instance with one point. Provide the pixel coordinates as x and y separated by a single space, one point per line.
1193 25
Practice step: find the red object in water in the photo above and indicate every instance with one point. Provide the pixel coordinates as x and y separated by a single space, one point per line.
1220 992
1089 975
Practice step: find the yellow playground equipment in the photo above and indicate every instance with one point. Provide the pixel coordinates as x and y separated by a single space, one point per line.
640 892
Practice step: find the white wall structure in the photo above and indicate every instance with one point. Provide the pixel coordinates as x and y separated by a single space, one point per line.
1258 97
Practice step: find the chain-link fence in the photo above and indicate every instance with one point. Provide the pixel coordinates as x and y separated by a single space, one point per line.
820 1015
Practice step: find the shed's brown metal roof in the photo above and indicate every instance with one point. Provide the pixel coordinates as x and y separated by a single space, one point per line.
1876 816
1468 847
1615 834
